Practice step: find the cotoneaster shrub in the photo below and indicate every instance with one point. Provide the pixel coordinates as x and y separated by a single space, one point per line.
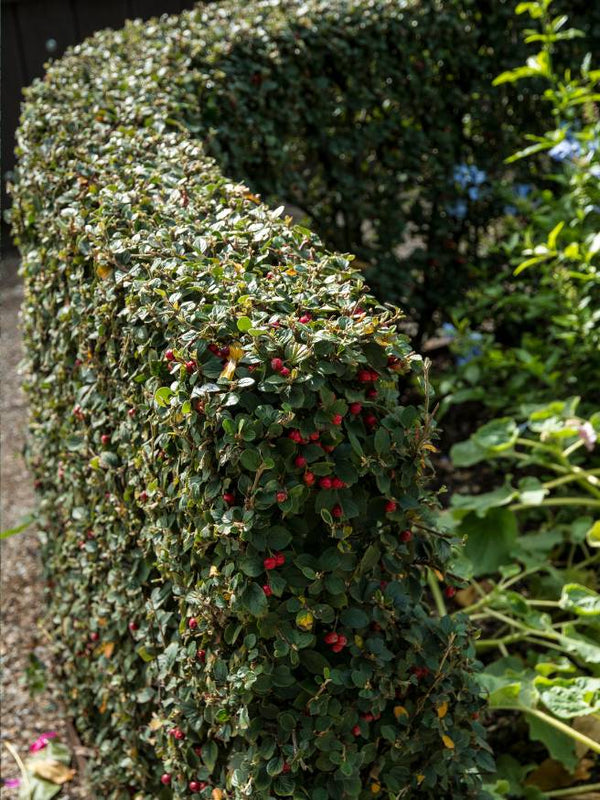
231 478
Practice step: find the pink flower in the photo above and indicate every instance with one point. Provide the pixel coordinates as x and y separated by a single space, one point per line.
588 435
11 783
42 741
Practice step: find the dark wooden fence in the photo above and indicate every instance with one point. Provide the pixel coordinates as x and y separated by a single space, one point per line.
35 30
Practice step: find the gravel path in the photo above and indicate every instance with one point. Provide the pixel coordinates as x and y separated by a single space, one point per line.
23 719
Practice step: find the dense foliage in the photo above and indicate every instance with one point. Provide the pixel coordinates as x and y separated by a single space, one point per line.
231 475
532 371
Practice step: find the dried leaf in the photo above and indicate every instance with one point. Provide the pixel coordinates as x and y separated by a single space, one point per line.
448 742
442 710
400 711
53 771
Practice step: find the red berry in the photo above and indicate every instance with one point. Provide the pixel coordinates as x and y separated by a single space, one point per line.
329 448
393 361
368 717
94 636
270 563
406 536
170 355
276 364
286 767
356 730
192 623
165 778
133 626
131 412
337 512
325 483
391 506
365 376
224 352
338 483
337 648
194 786
143 497
382 586
300 461
358 312
450 591
420 672
281 497
229 498
279 559
190 366
331 637
198 750
214 348
337 419
295 436
284 371
177 733
270 275
309 478
371 393
201 655
314 436
355 408
342 640
105 438
370 420
305 318
267 590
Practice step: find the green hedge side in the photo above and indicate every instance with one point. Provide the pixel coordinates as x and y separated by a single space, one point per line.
231 477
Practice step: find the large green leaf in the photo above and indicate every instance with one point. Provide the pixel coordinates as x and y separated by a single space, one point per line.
490 540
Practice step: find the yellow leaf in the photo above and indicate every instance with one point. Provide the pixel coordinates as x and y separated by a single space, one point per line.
217 794
442 710
304 620
155 724
448 742
53 771
438 575
420 778
213 571
375 788
108 649
431 447
102 706
291 272
229 370
235 352
103 271
400 711
255 199
358 640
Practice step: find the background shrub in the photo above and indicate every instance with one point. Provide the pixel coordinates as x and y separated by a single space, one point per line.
230 472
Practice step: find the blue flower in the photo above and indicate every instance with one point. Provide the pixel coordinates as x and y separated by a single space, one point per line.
565 150
473 193
510 211
461 175
522 190
478 176
458 209
449 330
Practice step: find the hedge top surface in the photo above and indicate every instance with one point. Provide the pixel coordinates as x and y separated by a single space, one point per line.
231 474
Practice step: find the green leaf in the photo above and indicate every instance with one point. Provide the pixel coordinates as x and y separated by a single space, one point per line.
354 618
163 396
210 753
581 600
560 746
254 600
569 697
22 526
244 324
490 540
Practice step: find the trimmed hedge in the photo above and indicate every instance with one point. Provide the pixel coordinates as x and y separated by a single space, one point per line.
231 474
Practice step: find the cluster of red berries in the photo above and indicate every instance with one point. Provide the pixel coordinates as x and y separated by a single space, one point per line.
332 483
177 733
274 561
305 318
197 786
367 376
277 365
190 365
336 641
219 352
